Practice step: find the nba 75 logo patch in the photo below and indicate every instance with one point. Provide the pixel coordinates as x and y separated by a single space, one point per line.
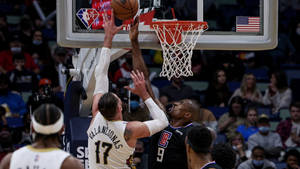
87 16
164 139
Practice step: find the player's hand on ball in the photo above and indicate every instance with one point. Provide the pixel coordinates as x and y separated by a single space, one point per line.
109 25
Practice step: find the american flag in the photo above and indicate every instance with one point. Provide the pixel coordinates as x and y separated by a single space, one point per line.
247 24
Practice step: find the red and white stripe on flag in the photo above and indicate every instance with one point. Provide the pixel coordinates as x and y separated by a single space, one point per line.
247 24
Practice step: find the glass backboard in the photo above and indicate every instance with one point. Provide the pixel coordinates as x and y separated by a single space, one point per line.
233 24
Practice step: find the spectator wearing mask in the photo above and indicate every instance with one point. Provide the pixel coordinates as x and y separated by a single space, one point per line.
250 126
39 48
22 80
278 95
271 141
289 130
292 159
257 160
6 59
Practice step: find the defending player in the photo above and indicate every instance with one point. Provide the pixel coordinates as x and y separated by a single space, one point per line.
44 153
167 148
111 141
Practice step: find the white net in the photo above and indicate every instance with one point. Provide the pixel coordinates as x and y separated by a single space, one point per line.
177 41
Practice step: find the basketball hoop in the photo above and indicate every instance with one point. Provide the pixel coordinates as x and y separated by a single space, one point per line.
178 39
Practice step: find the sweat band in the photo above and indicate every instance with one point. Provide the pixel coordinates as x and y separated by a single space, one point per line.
101 72
48 129
160 120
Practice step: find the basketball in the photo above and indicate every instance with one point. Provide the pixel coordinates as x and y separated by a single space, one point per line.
125 9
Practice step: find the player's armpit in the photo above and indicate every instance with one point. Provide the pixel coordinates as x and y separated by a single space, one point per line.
71 163
5 163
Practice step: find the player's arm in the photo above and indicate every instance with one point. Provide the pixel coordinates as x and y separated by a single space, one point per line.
137 129
71 163
5 163
101 69
137 59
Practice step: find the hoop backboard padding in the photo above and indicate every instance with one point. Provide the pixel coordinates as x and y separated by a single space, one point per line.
178 39
71 32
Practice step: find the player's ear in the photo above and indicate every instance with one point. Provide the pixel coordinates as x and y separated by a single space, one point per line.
62 130
188 115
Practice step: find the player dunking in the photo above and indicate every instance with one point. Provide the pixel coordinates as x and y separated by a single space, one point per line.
44 153
111 141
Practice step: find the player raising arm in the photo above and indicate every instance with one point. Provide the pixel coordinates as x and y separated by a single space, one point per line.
111 141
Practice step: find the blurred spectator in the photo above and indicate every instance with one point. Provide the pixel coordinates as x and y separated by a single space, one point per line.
177 90
248 90
278 95
295 38
3 122
53 70
292 159
139 158
45 94
4 33
289 130
265 138
26 32
224 156
284 50
22 80
39 48
217 93
6 145
206 117
237 142
233 67
6 59
125 68
257 160
250 126
228 122
14 102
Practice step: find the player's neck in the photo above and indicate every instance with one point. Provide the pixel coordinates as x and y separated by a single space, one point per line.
198 162
50 143
179 123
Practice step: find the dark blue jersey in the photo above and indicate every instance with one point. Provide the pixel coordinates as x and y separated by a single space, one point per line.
167 148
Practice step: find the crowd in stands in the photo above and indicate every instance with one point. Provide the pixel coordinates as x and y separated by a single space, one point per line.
248 98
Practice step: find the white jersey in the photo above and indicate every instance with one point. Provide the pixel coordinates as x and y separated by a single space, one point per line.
29 157
107 146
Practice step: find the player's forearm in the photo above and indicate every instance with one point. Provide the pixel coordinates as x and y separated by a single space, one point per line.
101 71
138 61
139 64
160 120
